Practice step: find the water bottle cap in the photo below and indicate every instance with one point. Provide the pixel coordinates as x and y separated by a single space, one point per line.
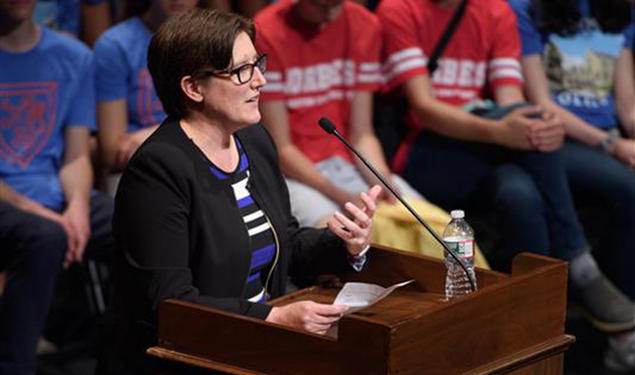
457 214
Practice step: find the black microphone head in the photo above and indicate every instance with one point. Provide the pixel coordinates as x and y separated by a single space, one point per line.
327 125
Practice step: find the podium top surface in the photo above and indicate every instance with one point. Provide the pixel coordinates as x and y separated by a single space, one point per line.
400 306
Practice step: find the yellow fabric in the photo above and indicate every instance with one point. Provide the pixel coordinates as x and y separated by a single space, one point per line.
395 227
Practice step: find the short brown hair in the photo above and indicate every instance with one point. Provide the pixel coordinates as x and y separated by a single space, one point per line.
189 43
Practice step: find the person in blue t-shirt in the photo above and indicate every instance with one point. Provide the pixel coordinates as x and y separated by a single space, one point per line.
47 214
128 107
578 63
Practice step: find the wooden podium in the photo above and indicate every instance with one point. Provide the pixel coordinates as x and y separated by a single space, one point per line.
512 324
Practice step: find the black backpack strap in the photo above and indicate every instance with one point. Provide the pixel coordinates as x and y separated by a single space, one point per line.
433 62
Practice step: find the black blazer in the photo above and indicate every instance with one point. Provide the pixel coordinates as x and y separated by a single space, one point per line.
180 234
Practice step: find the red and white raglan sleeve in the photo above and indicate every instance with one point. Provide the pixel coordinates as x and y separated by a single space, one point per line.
367 54
274 88
403 57
504 66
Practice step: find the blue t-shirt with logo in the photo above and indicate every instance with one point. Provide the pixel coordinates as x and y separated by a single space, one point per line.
580 67
42 92
121 66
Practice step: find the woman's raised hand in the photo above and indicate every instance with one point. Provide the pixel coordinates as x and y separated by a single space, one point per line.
356 231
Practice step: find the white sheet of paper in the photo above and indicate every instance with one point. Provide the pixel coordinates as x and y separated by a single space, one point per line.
359 295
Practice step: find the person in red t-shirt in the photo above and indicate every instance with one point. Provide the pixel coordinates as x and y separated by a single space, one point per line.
505 160
324 60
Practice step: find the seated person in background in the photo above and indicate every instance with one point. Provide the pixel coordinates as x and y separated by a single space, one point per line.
202 211
510 164
578 63
85 19
324 60
46 210
128 107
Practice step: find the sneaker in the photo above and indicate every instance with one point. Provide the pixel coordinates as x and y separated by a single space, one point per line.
608 309
620 355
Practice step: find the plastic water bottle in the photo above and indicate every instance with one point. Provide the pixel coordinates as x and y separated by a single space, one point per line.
459 237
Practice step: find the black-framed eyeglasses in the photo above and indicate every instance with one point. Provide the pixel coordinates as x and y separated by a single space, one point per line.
245 72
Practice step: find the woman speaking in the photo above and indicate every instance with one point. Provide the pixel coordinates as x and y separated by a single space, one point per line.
202 211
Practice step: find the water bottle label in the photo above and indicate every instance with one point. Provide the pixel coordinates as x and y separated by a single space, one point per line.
464 249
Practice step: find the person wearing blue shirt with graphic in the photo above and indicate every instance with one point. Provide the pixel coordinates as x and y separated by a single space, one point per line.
578 63
47 214
128 107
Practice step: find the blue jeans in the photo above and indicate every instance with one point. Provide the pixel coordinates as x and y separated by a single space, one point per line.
528 191
31 253
600 180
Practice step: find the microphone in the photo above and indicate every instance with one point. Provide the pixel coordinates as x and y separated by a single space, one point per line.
329 127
